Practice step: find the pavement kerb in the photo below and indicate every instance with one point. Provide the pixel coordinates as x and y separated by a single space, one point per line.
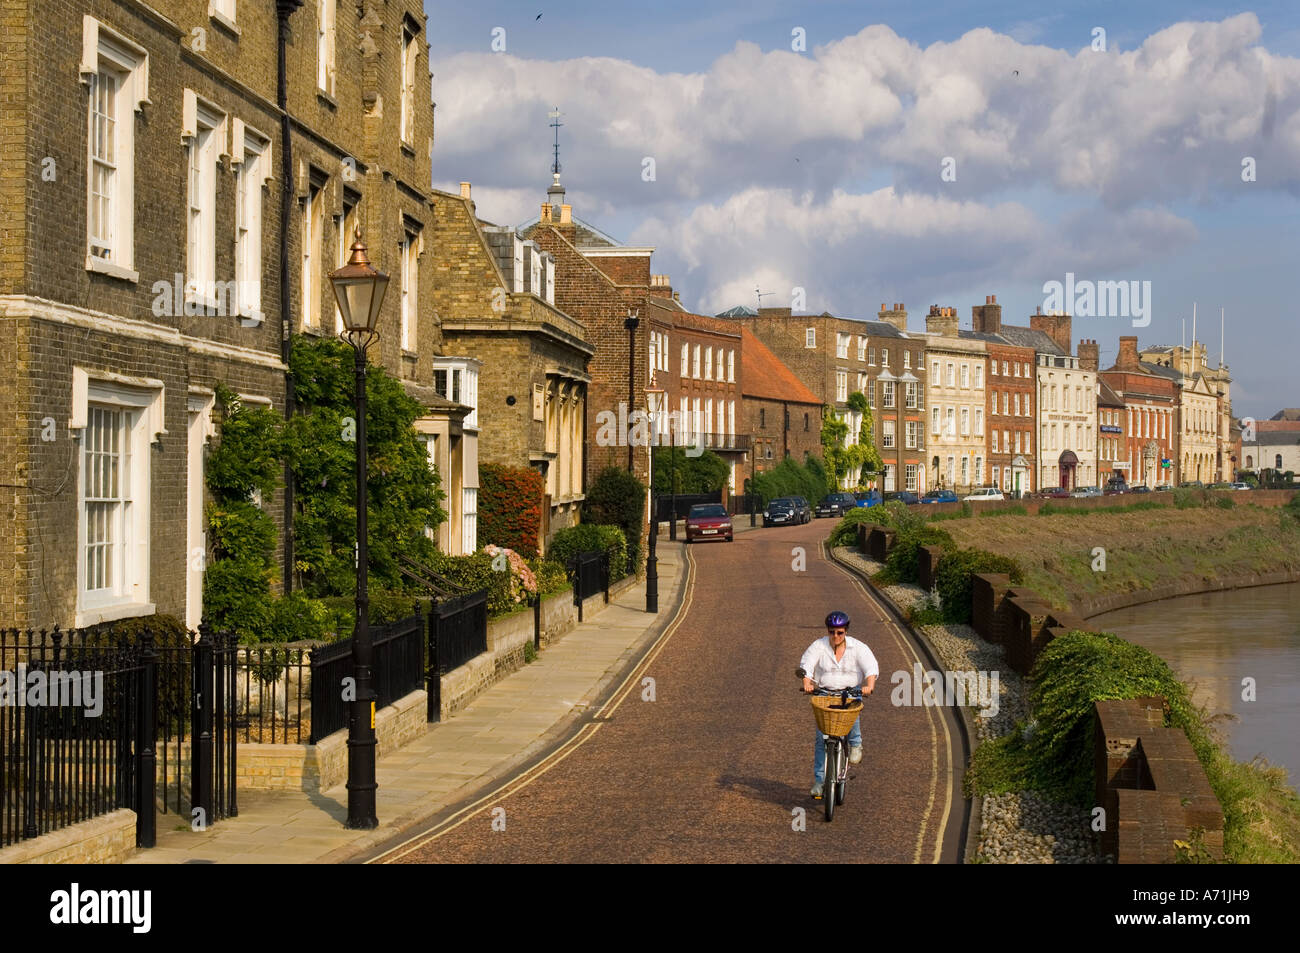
974 805
400 830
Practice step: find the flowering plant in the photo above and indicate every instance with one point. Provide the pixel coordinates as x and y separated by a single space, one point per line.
523 581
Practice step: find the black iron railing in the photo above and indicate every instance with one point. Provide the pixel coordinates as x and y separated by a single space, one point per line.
271 692
398 670
589 573
457 633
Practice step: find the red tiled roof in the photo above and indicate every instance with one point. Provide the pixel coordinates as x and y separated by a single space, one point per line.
766 376
1277 426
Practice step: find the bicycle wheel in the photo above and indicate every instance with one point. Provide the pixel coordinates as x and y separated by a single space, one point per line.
843 776
828 782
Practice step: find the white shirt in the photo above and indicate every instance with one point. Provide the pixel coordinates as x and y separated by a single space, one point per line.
851 671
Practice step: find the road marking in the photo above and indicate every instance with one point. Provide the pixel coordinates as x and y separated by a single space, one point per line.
882 617
581 737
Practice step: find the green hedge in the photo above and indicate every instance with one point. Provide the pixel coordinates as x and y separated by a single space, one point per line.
789 478
617 498
954 578
901 563
586 537
845 532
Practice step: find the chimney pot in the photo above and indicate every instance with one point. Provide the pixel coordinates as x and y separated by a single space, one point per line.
464 190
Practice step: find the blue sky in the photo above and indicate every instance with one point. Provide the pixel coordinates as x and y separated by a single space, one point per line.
820 168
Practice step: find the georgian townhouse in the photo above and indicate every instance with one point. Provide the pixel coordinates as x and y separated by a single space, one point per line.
697 361
958 361
494 293
1113 458
836 356
145 186
1149 422
604 285
1067 406
782 417
1204 458
1011 395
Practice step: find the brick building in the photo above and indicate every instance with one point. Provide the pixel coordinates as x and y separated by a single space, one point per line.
1150 393
1011 395
1272 444
143 189
697 361
781 417
836 356
494 293
1113 456
604 285
1067 406
1205 409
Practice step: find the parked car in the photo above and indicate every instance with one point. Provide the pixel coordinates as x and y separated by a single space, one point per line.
802 510
868 498
779 512
1191 485
1116 485
986 493
836 504
1140 488
1053 493
903 496
708 521
1241 486
1083 492
939 496
1221 486
1163 487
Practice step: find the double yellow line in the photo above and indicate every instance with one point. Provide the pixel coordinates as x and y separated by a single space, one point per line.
882 617
583 735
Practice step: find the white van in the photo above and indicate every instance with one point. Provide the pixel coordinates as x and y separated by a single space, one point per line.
986 493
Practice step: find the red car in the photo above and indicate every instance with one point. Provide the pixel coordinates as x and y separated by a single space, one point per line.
708 521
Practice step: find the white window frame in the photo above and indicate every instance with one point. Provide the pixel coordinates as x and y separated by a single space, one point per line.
731 366
907 360
887 394
965 377
912 396
708 363
409 290
887 434
311 235
862 348
410 58
326 43
223 11
950 377
951 416
842 345
909 477
841 385
142 399
695 362
251 157
884 357
979 376
204 132
979 471
965 421
889 477
935 425
810 337
913 434
106 52
686 358
993 436
965 470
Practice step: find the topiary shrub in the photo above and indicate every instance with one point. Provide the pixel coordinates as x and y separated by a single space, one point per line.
954 583
901 563
586 537
617 498
510 507
845 532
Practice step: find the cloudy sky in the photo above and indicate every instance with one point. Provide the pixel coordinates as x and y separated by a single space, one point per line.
927 154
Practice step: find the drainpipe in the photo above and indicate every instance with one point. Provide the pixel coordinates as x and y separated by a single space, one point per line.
283 10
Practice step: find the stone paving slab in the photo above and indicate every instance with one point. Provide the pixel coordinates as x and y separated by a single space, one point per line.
503 726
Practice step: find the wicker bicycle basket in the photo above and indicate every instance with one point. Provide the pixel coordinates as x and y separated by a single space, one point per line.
835 721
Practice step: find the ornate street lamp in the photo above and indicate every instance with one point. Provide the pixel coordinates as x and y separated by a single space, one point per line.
359 289
653 395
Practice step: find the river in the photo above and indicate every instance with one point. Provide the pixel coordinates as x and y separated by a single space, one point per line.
1214 642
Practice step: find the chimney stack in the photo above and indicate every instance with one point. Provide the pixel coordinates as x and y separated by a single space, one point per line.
464 190
1055 326
941 321
1128 354
896 316
566 214
1088 354
987 317
546 213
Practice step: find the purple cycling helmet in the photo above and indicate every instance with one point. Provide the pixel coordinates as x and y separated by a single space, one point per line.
837 620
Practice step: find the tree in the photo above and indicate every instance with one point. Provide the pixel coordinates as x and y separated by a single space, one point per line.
705 473
849 461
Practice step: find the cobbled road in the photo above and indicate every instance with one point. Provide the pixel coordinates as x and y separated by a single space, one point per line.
716 766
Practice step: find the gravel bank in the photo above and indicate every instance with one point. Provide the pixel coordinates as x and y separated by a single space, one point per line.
1014 828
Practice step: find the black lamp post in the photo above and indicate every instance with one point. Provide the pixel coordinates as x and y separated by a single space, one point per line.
753 475
359 290
672 479
653 395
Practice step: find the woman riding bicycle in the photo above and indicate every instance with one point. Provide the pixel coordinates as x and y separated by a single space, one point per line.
830 666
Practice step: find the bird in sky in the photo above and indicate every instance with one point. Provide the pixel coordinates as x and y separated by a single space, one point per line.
536 18
1016 71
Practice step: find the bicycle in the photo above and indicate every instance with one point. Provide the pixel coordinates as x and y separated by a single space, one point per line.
835 722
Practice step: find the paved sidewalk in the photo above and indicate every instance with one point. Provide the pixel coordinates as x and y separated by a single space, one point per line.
508 723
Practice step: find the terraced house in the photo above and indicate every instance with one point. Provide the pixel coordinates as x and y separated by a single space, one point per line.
494 293
959 362
152 187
